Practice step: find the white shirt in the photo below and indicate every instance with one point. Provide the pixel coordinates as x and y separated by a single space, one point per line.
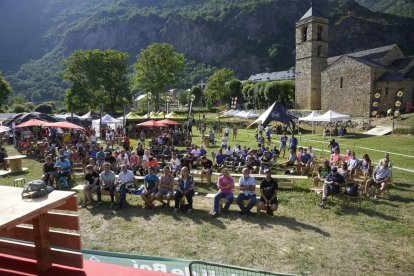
175 163
196 153
224 140
247 182
126 177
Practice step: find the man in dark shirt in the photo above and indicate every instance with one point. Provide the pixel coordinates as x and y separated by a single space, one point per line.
111 160
332 185
186 161
49 171
91 186
206 168
268 190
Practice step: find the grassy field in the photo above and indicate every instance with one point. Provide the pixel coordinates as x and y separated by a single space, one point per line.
376 239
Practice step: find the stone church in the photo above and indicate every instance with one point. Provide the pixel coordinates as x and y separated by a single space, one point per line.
362 84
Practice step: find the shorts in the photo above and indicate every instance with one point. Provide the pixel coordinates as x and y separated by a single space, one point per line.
165 192
273 201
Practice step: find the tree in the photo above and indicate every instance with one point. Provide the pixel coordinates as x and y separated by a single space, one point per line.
5 90
218 86
44 108
158 67
98 77
196 91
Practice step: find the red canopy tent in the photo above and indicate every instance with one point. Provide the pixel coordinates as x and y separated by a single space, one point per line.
62 125
168 122
151 123
31 122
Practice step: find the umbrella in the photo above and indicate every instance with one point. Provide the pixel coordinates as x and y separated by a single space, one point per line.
168 122
31 122
63 124
4 129
151 123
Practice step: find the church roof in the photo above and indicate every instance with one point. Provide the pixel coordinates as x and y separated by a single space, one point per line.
402 62
367 62
392 76
311 12
370 54
282 75
410 74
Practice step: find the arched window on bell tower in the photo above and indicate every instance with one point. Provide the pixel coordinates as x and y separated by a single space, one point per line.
304 34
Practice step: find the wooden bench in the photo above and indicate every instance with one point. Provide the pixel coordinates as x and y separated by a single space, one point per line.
287 180
234 202
79 188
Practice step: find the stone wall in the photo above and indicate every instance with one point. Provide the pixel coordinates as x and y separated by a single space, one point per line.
389 90
354 98
311 58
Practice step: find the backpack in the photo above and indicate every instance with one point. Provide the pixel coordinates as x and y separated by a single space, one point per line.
34 189
351 189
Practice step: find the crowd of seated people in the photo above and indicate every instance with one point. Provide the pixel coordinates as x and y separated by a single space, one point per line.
107 157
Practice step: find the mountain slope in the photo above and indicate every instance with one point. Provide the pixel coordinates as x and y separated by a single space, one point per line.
248 36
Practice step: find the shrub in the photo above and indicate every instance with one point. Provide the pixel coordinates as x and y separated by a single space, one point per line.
404 131
19 108
44 108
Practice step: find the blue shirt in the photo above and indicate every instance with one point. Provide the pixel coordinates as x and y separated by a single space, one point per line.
293 142
151 180
220 158
63 164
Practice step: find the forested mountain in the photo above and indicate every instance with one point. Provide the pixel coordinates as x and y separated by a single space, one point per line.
248 36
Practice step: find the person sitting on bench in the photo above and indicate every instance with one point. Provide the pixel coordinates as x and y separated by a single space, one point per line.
165 187
150 183
125 177
91 186
225 184
107 178
268 194
185 188
247 192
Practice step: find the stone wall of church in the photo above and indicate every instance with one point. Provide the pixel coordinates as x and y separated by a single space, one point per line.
347 87
388 91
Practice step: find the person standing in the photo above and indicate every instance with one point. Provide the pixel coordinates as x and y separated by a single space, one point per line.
293 143
234 132
225 185
283 141
247 186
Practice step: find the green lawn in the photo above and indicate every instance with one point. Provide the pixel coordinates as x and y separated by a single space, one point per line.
376 239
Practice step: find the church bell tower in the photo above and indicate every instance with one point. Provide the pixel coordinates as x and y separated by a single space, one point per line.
311 59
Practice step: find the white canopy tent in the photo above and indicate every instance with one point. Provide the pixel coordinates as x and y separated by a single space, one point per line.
331 116
310 118
106 120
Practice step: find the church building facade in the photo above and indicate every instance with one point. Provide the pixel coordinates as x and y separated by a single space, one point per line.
362 84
